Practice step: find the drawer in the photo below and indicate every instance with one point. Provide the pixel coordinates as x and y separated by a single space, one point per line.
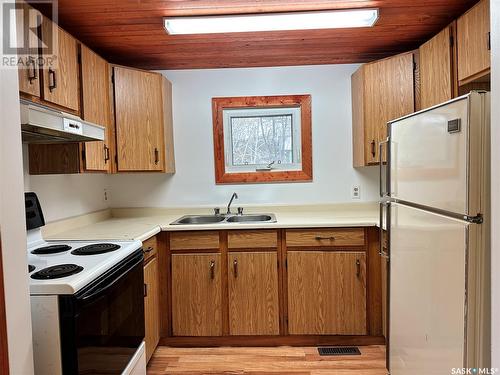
194 240
252 239
325 237
150 248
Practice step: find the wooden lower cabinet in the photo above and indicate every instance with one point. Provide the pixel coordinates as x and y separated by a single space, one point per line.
326 293
253 293
196 295
279 287
151 306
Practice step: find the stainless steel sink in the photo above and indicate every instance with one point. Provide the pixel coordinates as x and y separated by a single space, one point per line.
250 218
225 219
199 219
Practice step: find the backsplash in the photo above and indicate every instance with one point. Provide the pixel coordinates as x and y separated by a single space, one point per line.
193 184
63 196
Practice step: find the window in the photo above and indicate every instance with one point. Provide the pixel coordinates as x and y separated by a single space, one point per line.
262 139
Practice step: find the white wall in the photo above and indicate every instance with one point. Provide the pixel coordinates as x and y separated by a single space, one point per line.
63 196
13 226
495 179
194 182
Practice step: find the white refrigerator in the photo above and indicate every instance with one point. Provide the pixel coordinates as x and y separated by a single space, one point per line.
435 190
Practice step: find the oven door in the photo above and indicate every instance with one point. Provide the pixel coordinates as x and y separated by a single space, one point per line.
102 325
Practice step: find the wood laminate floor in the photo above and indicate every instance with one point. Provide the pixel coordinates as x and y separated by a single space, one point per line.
265 361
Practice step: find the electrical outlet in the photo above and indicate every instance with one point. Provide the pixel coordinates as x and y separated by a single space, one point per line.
106 194
355 192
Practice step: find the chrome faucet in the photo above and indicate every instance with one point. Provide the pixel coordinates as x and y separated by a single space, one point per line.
231 201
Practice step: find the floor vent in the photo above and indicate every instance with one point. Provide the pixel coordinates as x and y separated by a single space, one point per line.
340 350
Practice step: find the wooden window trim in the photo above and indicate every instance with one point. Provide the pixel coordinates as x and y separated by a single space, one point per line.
302 101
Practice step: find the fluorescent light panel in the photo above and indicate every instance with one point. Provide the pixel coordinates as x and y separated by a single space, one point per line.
271 22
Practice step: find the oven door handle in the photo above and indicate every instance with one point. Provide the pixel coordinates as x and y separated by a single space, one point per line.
100 291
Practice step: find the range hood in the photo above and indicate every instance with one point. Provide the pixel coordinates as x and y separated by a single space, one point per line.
41 124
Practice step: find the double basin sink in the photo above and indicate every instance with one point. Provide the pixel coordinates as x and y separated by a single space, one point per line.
222 219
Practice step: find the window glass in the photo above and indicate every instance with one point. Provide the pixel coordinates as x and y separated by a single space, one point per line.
262 138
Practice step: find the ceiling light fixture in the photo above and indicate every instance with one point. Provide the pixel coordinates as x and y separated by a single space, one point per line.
271 22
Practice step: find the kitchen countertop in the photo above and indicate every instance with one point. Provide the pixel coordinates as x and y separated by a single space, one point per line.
142 223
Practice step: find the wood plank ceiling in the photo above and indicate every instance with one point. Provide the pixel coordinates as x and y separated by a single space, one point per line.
131 32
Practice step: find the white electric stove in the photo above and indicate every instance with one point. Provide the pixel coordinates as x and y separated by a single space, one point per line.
64 267
87 303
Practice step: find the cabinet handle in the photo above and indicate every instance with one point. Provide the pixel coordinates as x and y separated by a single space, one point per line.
320 238
358 268
212 269
373 147
235 268
52 74
32 73
145 290
157 156
148 250
488 41
106 154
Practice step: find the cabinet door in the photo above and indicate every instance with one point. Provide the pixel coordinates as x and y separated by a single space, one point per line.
29 78
151 307
196 295
139 120
326 293
389 94
473 33
437 79
253 293
60 81
95 107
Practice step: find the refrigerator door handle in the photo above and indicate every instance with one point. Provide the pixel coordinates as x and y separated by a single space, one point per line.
383 205
380 167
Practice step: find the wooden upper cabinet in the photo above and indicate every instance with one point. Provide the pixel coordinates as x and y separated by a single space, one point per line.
437 68
381 91
473 42
143 121
253 293
196 295
29 75
327 293
95 77
61 80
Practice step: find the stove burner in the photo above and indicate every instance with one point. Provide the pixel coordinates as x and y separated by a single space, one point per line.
31 268
98 248
56 272
52 249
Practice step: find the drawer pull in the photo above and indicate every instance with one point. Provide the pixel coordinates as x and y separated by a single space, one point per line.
148 250
212 269
320 238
